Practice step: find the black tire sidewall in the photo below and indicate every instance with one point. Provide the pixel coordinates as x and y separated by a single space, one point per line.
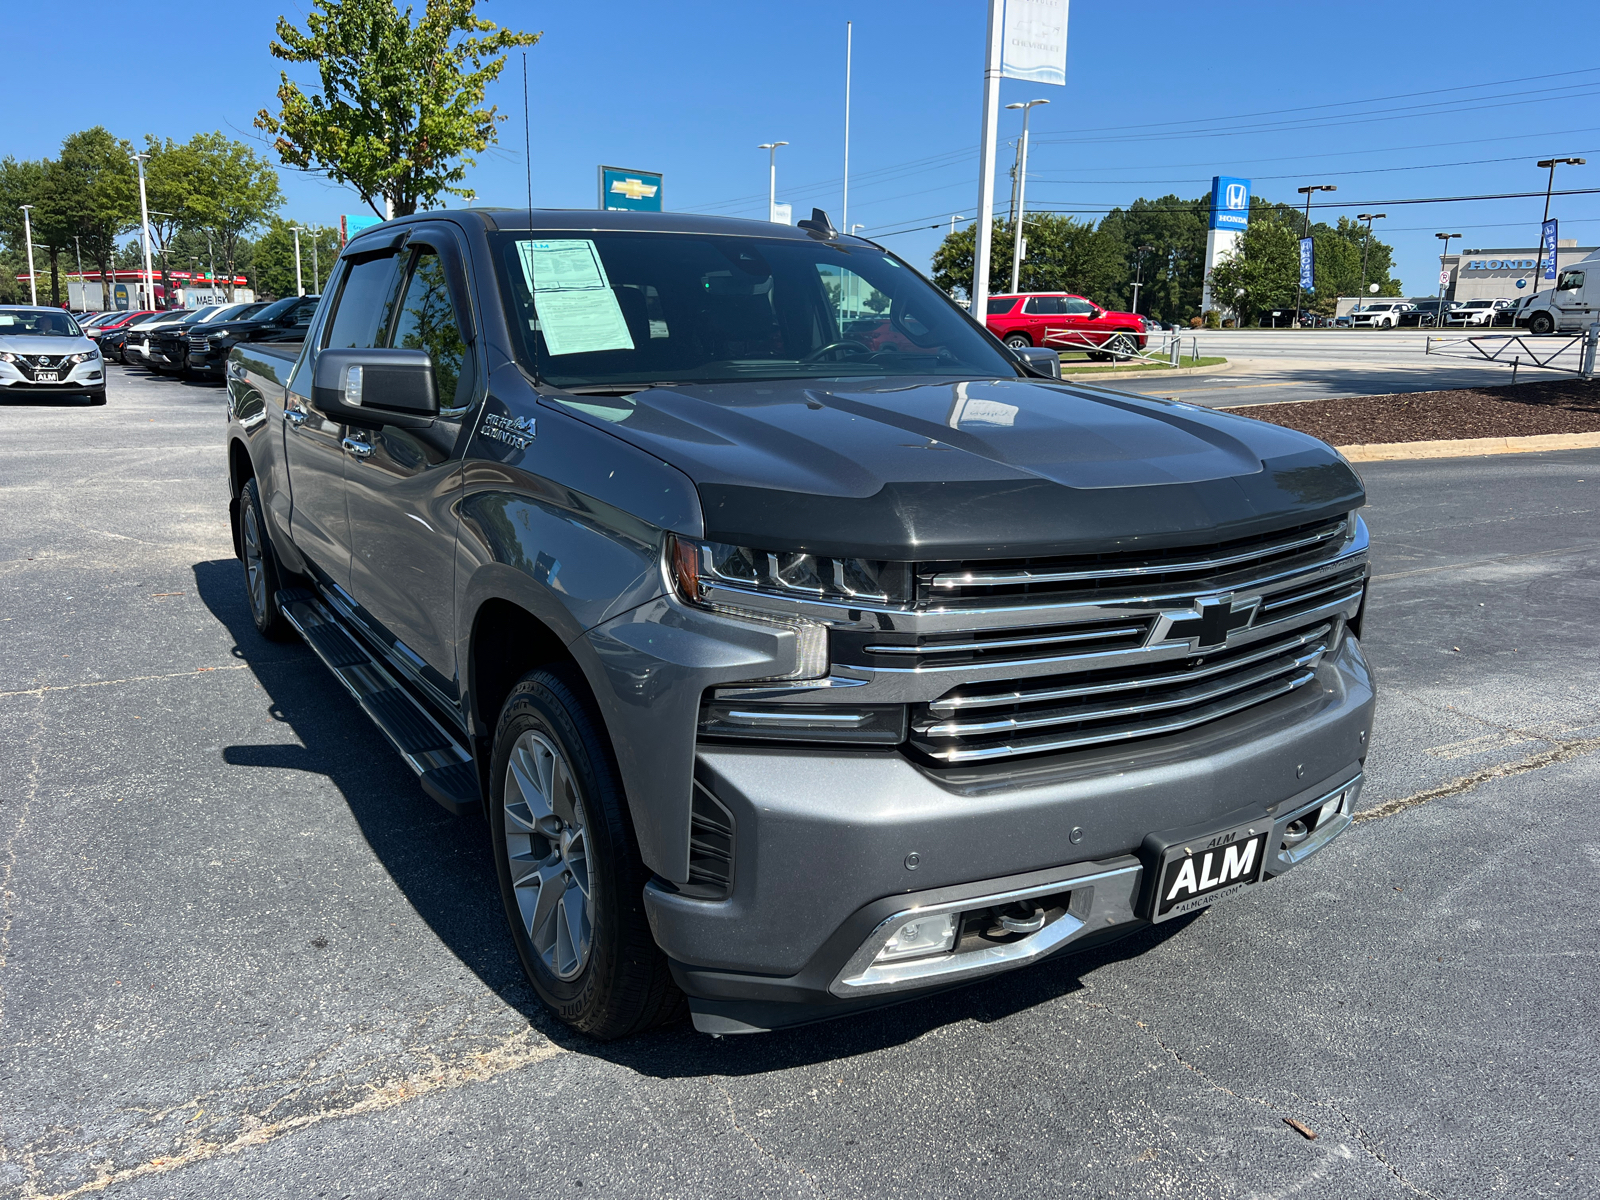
547 703
271 623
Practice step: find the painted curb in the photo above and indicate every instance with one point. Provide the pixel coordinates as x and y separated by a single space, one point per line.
1169 373
1469 447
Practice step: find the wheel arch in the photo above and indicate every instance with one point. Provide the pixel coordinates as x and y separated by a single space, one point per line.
241 469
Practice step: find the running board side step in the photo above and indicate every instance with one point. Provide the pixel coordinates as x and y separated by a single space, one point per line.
443 764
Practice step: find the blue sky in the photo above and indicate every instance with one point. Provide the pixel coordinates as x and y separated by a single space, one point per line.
1159 98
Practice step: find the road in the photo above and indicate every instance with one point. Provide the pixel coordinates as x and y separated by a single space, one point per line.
242 956
1274 366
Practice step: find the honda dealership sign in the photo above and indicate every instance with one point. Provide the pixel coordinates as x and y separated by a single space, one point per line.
1307 265
1035 41
1230 202
1548 237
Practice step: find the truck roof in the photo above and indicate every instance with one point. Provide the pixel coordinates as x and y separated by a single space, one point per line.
590 219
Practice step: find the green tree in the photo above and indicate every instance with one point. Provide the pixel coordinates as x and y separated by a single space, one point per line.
100 198
21 182
1063 255
1174 266
1264 266
232 192
272 272
400 112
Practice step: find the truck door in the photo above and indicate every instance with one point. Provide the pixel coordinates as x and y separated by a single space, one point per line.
314 442
1573 302
403 485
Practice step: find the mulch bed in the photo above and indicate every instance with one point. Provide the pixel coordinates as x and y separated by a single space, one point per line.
1548 406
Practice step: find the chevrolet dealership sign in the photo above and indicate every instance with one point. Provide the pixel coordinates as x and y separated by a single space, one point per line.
622 190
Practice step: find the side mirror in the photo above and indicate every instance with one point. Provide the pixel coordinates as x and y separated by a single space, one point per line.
1040 360
375 387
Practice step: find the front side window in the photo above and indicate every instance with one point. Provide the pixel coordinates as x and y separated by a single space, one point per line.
1077 306
615 310
362 315
1570 281
427 321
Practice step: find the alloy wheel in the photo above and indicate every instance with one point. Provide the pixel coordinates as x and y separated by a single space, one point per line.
547 847
255 574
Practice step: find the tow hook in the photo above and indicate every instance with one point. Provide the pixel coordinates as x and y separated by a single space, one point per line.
1018 918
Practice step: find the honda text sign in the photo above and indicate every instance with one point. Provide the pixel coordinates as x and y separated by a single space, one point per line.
1548 241
1230 202
1307 265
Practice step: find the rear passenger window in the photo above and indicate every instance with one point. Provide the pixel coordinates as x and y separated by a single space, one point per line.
362 316
428 321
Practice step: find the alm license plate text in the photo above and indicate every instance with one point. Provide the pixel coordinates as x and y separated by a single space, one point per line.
47 377
1200 873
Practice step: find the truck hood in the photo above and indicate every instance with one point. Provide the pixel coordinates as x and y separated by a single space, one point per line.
921 469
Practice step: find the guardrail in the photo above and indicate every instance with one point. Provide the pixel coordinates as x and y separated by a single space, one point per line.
1163 347
1577 351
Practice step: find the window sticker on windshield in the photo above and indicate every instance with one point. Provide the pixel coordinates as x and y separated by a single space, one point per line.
578 311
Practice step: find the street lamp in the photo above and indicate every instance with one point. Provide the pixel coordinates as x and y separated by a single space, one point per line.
144 225
1138 276
772 177
299 288
1020 190
1549 186
27 232
1299 286
316 269
1369 218
1445 238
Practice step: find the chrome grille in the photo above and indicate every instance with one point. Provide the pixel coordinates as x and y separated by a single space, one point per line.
1099 577
974 724
198 343
1004 644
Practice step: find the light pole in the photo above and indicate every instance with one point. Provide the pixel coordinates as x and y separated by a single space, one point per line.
194 272
983 242
1299 286
1138 276
299 288
772 177
1022 186
78 247
316 269
1438 318
849 32
144 225
1369 218
954 217
1552 163
27 232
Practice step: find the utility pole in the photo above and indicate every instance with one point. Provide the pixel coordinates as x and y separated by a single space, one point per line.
77 246
1369 218
1022 192
144 225
1552 163
27 232
1299 286
299 288
772 177
991 129
848 33
211 254
1138 277
1445 238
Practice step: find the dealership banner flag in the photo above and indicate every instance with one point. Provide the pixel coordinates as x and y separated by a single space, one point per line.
1548 237
1035 41
1306 265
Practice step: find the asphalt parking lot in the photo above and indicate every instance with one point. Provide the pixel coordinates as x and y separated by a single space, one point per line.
1267 366
242 955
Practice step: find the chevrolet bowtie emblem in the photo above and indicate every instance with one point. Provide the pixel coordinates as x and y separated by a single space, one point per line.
1211 620
633 189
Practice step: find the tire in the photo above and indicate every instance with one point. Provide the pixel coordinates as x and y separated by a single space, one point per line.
558 818
1541 324
1018 340
1122 346
262 578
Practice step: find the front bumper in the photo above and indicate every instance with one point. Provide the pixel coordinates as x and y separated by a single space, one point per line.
83 379
829 845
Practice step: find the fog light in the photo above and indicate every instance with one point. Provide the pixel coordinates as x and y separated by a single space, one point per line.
919 938
1331 809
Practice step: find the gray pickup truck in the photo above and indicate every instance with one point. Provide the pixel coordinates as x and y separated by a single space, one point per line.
804 648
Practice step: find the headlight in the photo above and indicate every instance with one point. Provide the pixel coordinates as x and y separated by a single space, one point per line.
710 572
7 356
219 335
75 359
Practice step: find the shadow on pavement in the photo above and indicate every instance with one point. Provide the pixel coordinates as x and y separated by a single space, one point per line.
443 867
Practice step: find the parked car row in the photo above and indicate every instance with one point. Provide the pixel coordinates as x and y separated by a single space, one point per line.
194 342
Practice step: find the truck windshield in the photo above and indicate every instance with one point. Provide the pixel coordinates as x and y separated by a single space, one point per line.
610 311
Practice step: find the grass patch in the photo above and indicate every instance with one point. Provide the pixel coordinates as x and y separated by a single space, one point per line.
1077 367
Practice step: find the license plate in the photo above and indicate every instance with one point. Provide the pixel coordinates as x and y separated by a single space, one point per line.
47 377
1204 870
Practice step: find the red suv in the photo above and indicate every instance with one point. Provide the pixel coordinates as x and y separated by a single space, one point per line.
1065 322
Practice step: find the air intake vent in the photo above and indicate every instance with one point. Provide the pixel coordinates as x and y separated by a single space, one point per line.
710 848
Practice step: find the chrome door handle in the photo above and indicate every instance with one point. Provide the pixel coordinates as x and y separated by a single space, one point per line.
358 448
294 416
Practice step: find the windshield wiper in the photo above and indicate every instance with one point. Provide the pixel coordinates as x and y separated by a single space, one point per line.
616 389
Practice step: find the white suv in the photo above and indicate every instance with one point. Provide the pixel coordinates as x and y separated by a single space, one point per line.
44 353
1380 314
1476 312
